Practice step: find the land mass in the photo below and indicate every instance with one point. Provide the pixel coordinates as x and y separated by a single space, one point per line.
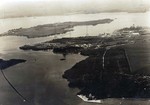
52 29
106 72
114 81
8 63
79 44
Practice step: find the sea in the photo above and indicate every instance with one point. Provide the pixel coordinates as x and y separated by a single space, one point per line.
39 79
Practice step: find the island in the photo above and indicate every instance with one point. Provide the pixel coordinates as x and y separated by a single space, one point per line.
52 29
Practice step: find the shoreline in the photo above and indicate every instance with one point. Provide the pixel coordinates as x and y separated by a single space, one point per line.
52 29
116 69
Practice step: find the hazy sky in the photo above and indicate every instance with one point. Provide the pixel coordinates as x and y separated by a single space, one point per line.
19 8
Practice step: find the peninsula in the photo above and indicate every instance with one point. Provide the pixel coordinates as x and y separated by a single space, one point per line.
79 44
106 72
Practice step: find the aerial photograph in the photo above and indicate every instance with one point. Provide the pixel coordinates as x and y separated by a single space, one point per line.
74 52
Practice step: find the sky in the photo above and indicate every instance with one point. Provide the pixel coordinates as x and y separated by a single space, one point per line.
21 8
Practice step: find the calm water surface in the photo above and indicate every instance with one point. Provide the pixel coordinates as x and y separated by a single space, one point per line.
39 79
